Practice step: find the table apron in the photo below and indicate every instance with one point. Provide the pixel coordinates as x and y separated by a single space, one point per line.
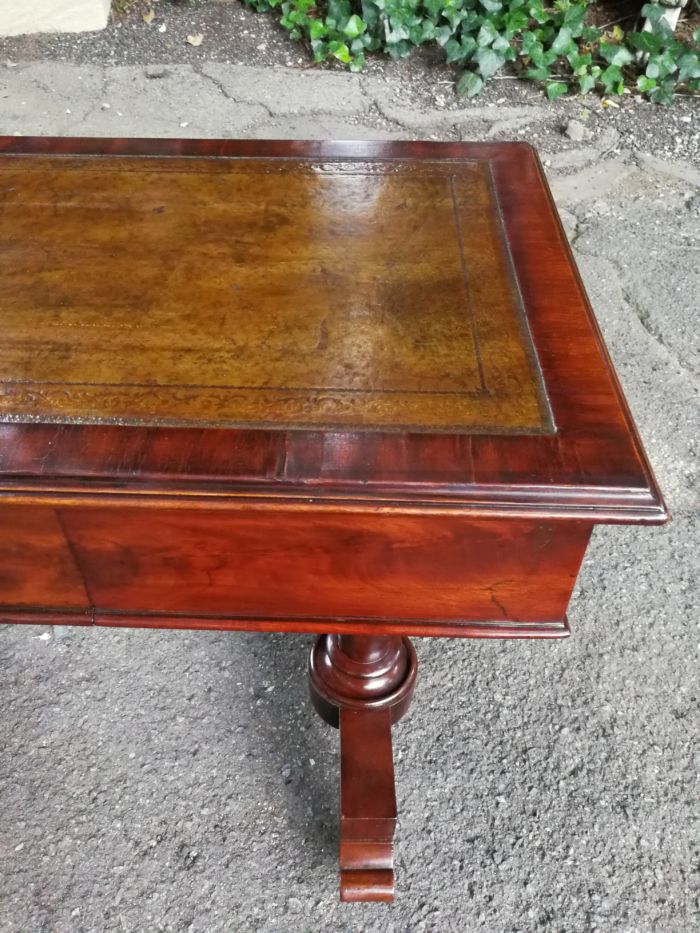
306 571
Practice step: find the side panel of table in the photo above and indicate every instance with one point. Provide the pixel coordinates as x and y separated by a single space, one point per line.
314 570
37 567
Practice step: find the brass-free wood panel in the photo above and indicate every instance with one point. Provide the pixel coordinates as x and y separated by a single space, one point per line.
37 567
269 292
250 564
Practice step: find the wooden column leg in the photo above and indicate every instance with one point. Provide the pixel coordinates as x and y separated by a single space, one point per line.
364 684
367 806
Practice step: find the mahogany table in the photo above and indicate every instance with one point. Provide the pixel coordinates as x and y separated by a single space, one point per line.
354 389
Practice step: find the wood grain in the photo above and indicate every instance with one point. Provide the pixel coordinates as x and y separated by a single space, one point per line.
367 806
246 564
312 572
37 567
363 685
266 292
593 467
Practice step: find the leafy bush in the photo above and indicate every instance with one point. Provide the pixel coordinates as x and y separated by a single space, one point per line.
554 44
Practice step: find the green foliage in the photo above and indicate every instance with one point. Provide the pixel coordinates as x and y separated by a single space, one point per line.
553 45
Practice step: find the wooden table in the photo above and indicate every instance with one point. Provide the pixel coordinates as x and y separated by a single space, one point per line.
354 389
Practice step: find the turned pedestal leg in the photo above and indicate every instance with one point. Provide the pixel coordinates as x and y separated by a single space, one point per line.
363 684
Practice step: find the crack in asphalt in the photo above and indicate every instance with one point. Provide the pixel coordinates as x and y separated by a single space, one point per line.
198 70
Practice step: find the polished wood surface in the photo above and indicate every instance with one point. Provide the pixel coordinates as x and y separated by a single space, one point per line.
326 571
592 467
268 292
404 567
353 389
363 685
37 566
367 806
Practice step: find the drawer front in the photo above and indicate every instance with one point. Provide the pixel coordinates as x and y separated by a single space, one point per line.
257 563
250 564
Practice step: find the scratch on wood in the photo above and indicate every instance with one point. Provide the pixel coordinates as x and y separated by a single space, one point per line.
323 335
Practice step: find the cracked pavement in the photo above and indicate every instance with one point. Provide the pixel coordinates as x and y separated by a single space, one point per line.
181 782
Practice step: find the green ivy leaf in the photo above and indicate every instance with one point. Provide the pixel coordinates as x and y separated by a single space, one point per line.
590 34
427 30
547 33
354 27
398 31
469 45
339 9
454 51
515 23
654 12
663 94
434 7
319 49
529 44
488 61
573 18
442 35
563 42
616 54
537 12
688 66
667 61
340 51
455 17
579 64
500 44
487 34
556 89
469 84
586 83
612 79
317 29
646 84
645 41
660 66
399 50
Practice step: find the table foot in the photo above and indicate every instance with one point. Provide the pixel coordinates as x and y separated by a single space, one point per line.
364 684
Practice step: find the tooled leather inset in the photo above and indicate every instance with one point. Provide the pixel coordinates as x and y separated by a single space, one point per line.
265 292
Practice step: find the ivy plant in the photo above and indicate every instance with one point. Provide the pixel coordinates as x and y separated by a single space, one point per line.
555 44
